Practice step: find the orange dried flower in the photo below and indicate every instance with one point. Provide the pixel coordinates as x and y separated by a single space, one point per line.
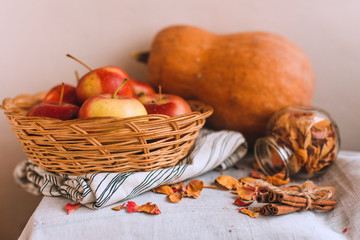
164 190
228 182
118 208
148 208
248 212
246 192
194 188
176 197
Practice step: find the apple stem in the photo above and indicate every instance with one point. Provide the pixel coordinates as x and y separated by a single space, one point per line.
77 76
122 84
61 93
160 96
74 58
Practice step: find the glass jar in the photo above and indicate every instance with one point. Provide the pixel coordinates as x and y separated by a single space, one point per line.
300 140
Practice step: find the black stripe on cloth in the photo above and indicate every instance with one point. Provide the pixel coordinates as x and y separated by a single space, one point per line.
111 188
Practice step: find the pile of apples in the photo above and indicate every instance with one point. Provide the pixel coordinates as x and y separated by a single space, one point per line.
107 92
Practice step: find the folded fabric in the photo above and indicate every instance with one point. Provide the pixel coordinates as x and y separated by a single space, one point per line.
212 149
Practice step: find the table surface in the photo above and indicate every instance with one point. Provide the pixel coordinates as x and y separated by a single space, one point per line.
211 216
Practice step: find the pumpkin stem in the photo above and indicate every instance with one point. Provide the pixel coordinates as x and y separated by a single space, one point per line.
142 57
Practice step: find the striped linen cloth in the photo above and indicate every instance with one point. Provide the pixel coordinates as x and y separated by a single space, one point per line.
212 149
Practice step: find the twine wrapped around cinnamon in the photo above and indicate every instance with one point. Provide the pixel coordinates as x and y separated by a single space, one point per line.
294 198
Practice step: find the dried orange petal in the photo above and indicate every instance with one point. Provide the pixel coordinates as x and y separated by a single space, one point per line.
164 190
246 192
274 180
118 208
248 212
149 208
228 182
176 197
194 187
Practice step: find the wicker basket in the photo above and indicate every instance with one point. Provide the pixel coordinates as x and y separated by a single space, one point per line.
108 144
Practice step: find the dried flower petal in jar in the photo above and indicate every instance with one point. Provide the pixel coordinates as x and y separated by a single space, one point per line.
300 140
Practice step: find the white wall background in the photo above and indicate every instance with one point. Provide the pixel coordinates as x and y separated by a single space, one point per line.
35 35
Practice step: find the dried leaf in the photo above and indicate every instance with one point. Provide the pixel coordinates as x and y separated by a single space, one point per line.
132 207
118 208
194 188
249 212
277 180
176 197
228 182
164 190
248 180
72 207
246 192
149 208
241 203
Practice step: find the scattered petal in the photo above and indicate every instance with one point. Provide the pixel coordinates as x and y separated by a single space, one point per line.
228 182
176 197
72 207
118 208
164 190
241 203
194 187
246 193
132 207
248 180
248 212
149 208
277 181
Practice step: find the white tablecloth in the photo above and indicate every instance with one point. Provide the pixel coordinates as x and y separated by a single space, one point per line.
211 216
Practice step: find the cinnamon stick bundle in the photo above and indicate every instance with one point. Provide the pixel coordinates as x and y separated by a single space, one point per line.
279 209
296 198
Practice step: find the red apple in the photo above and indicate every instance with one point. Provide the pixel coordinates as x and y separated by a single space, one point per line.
101 81
166 104
69 94
107 105
64 111
59 110
141 88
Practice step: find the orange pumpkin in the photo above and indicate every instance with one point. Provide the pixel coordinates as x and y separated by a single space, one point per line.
246 76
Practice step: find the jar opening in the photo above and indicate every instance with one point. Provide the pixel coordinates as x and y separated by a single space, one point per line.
271 157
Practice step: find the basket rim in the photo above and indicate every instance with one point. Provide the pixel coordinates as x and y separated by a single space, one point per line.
205 111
